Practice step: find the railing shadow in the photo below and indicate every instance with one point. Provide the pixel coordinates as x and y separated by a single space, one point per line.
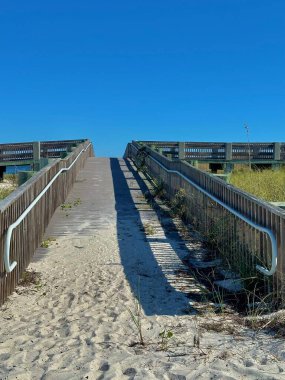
151 264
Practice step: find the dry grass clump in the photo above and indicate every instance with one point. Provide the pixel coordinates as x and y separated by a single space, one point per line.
221 326
7 187
265 184
5 192
30 278
149 229
274 322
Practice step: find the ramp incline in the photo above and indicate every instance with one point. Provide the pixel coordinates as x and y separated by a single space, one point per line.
107 249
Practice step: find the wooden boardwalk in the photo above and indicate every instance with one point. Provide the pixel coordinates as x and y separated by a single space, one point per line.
76 323
108 194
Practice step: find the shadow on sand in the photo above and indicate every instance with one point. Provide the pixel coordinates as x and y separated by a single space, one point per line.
150 264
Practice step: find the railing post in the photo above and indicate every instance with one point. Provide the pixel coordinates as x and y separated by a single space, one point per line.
277 151
229 151
37 155
181 150
228 166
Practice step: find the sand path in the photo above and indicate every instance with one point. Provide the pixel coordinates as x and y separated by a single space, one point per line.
76 324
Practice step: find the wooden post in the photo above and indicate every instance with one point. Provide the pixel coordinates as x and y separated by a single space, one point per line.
37 151
37 155
229 151
228 168
277 151
181 150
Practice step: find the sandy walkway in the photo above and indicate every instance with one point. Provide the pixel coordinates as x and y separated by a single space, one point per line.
75 324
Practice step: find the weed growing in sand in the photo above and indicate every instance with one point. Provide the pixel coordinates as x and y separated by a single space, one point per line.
5 192
30 278
165 336
69 205
158 188
197 337
46 243
136 316
66 206
7 186
178 204
77 202
140 159
149 229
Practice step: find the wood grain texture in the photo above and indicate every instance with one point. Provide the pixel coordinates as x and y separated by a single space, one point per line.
28 235
241 245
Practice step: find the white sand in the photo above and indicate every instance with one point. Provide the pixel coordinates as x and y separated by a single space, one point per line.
76 323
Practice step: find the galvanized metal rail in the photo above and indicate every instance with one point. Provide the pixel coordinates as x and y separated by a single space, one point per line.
267 231
9 267
265 271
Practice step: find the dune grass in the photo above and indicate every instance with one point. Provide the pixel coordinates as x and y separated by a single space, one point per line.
5 192
8 185
268 184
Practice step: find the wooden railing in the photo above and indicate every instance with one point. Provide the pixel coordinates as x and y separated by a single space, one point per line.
25 151
204 151
28 235
241 245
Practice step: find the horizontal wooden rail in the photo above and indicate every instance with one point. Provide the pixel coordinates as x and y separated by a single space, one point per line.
218 151
28 235
18 152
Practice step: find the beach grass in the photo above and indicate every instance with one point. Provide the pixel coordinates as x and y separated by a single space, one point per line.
267 184
8 185
5 192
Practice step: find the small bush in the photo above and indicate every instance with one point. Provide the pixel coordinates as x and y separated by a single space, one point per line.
178 204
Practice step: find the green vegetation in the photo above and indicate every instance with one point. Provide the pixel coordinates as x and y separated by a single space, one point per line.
137 315
71 204
46 243
178 204
30 278
5 192
165 337
8 185
149 229
268 185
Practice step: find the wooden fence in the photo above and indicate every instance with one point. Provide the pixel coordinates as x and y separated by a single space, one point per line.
28 235
215 151
24 151
240 245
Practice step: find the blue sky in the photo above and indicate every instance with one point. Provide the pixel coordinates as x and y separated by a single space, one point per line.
113 71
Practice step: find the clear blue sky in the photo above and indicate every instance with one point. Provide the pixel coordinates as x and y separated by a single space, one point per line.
114 71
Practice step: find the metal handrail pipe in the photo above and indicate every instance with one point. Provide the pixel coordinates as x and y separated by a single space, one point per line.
265 271
9 267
